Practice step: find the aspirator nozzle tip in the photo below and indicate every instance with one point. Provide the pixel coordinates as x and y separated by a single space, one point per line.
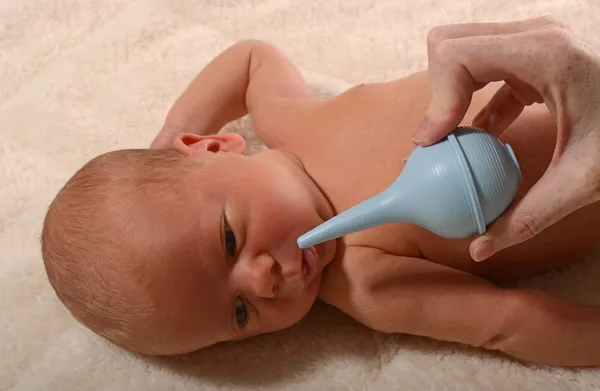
370 213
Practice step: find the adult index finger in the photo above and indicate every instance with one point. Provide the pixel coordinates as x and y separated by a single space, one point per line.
461 66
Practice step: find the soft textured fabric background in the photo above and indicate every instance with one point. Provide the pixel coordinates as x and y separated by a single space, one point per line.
80 77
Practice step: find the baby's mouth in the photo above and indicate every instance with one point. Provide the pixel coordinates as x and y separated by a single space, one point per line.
309 269
310 264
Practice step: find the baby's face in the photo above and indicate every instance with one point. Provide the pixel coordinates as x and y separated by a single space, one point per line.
237 270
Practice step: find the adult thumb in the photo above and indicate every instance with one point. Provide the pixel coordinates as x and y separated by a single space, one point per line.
557 194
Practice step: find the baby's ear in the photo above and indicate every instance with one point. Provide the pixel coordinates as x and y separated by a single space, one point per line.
193 145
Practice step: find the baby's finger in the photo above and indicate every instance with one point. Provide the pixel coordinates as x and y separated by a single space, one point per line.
558 193
164 139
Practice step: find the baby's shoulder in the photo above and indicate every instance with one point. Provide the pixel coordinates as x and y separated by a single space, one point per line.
345 277
360 263
352 275
365 279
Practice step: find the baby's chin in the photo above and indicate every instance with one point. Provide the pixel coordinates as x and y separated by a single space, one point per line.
295 309
309 296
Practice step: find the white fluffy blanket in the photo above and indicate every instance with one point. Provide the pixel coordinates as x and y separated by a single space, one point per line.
80 77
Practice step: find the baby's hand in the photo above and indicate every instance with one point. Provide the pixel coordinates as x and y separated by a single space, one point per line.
166 137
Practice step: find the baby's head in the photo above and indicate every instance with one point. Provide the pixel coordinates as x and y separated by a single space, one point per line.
168 251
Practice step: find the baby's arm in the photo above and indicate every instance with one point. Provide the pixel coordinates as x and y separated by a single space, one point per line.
246 77
409 295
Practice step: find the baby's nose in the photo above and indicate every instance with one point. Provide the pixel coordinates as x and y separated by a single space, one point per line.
262 276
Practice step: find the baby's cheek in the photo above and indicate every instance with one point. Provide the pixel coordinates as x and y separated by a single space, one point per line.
296 313
293 199
280 217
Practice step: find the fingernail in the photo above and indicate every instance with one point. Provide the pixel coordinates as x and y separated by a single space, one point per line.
483 250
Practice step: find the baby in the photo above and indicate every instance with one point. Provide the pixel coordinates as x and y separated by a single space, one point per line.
193 242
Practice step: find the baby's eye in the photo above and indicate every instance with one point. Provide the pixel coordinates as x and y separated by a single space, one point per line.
241 314
230 243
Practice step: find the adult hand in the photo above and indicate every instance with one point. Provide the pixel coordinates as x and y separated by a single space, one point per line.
539 60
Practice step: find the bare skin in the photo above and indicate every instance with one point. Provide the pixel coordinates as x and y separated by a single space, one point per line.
401 278
538 60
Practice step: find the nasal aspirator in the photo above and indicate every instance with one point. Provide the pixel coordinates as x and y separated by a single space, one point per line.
454 188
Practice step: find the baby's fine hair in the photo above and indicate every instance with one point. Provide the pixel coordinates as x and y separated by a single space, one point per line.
99 229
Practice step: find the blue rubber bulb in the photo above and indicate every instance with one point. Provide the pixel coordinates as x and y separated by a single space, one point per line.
454 188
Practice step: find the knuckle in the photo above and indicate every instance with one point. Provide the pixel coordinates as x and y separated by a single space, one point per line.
525 226
561 35
551 21
442 45
444 51
558 49
557 36
436 35
551 29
